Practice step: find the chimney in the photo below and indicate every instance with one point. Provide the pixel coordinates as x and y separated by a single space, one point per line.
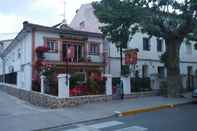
25 23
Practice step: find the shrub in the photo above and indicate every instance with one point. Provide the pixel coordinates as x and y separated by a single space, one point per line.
76 79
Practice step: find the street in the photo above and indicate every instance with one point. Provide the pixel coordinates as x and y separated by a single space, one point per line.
181 118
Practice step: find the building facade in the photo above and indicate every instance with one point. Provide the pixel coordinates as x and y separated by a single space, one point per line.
21 57
150 50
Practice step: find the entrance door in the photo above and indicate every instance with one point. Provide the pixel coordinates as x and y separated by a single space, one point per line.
117 88
77 52
189 78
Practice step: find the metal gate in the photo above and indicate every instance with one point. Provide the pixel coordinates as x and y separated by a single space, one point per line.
117 88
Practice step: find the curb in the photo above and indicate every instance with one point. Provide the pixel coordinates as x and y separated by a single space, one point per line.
119 114
149 109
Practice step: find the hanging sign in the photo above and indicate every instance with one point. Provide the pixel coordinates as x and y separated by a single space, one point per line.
131 57
71 52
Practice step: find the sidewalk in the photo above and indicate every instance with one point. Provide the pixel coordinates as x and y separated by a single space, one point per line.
17 115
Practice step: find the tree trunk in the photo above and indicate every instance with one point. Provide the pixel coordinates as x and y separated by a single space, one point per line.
174 83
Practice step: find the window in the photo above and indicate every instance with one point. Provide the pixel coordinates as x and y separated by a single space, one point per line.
94 49
144 71
159 45
189 48
146 44
161 71
11 69
189 70
195 46
52 45
19 53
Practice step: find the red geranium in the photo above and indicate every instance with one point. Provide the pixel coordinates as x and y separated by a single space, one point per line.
78 90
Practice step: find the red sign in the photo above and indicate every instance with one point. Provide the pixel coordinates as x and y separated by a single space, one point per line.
71 52
131 57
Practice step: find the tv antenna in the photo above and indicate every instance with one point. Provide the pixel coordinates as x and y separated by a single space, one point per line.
64 15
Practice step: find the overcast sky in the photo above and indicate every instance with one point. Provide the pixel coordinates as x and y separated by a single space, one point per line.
46 12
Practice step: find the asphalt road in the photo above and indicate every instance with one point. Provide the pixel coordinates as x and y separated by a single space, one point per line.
181 118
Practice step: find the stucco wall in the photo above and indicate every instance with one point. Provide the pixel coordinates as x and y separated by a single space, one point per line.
20 58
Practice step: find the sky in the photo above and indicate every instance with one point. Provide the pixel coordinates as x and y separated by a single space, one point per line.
44 12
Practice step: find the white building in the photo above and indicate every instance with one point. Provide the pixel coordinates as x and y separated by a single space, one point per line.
3 45
20 56
149 50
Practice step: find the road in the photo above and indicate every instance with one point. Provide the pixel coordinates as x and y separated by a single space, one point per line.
181 118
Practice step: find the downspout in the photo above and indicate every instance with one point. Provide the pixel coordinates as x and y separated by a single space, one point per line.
3 60
3 63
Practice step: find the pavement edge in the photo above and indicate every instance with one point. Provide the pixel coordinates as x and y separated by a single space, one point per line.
148 109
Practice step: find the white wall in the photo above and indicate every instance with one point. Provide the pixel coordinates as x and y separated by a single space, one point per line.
23 64
85 14
1 66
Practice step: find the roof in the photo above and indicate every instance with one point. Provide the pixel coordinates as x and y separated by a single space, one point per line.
60 30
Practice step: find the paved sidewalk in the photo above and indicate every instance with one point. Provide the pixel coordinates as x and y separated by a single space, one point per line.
17 115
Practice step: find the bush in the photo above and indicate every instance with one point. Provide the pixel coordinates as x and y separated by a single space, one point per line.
93 86
76 79
140 84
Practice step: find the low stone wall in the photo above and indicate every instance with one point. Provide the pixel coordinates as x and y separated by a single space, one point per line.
49 101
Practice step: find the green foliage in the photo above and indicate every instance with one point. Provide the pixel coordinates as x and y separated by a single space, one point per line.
93 86
115 81
76 79
140 84
49 72
117 17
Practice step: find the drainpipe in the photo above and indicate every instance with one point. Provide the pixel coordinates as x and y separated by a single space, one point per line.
3 60
3 63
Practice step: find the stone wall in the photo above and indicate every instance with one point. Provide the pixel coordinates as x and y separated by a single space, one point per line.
49 101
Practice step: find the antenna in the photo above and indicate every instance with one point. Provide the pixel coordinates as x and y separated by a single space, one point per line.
64 20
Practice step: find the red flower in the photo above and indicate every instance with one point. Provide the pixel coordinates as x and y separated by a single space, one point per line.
79 90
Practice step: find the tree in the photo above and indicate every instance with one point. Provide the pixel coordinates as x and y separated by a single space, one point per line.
173 20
